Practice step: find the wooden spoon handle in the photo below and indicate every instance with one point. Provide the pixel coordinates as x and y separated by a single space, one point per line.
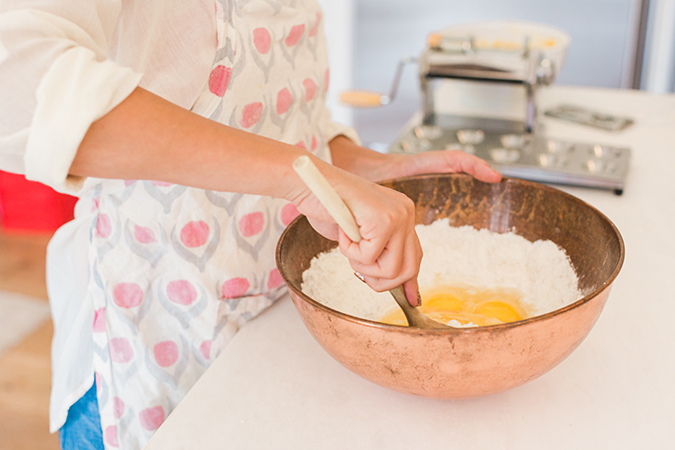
337 208
330 200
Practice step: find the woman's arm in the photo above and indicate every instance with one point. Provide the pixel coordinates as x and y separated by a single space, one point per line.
146 137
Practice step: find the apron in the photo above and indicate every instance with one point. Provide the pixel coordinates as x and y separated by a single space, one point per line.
175 271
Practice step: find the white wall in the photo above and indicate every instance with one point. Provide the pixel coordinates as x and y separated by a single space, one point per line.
339 22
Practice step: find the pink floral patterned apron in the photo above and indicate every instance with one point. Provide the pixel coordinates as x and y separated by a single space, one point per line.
175 271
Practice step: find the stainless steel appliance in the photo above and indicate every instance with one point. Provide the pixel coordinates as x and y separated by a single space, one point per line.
505 54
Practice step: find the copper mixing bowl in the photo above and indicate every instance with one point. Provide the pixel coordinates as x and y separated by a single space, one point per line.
468 362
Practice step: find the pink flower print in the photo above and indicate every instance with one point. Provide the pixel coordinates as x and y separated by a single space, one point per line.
205 349
219 79
120 350
284 100
151 418
251 114
326 80
315 28
127 295
301 145
288 213
103 226
111 436
275 279
99 382
295 35
315 144
95 202
236 287
310 89
251 224
118 407
181 292
262 40
166 353
160 183
99 321
194 234
144 235
128 183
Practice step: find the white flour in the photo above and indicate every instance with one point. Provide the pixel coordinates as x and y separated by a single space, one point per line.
540 270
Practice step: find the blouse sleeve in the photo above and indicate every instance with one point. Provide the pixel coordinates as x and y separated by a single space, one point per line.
330 128
55 80
333 129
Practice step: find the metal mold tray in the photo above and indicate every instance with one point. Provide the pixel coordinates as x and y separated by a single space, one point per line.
507 148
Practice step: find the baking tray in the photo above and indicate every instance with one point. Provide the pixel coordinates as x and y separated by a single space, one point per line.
514 153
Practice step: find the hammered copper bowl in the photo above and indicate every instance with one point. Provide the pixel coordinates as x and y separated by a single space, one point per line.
468 362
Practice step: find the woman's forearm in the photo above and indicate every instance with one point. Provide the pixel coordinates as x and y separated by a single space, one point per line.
147 137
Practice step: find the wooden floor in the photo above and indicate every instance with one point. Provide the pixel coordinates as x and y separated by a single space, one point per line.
25 374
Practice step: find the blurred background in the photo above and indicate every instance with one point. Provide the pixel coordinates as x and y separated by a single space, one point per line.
621 44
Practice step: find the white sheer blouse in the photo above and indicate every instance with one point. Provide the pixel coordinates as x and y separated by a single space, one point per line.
64 64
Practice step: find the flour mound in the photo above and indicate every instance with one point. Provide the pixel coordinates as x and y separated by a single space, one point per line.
455 255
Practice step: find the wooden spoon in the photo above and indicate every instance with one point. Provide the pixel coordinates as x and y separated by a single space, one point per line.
337 208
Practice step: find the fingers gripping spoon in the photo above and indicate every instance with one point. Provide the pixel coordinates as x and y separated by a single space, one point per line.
330 200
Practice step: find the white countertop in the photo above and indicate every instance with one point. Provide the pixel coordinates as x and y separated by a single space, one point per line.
274 387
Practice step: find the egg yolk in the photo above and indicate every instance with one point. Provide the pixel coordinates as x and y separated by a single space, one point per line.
466 304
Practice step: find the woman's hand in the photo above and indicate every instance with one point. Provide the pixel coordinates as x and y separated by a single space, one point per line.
442 161
389 253
376 166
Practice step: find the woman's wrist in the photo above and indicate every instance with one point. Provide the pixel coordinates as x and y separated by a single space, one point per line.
364 162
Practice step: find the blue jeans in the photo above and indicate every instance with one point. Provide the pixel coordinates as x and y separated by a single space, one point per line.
82 430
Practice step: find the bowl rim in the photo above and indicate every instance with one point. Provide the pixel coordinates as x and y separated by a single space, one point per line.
479 329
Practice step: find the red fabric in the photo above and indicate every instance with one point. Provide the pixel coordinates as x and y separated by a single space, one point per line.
31 206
